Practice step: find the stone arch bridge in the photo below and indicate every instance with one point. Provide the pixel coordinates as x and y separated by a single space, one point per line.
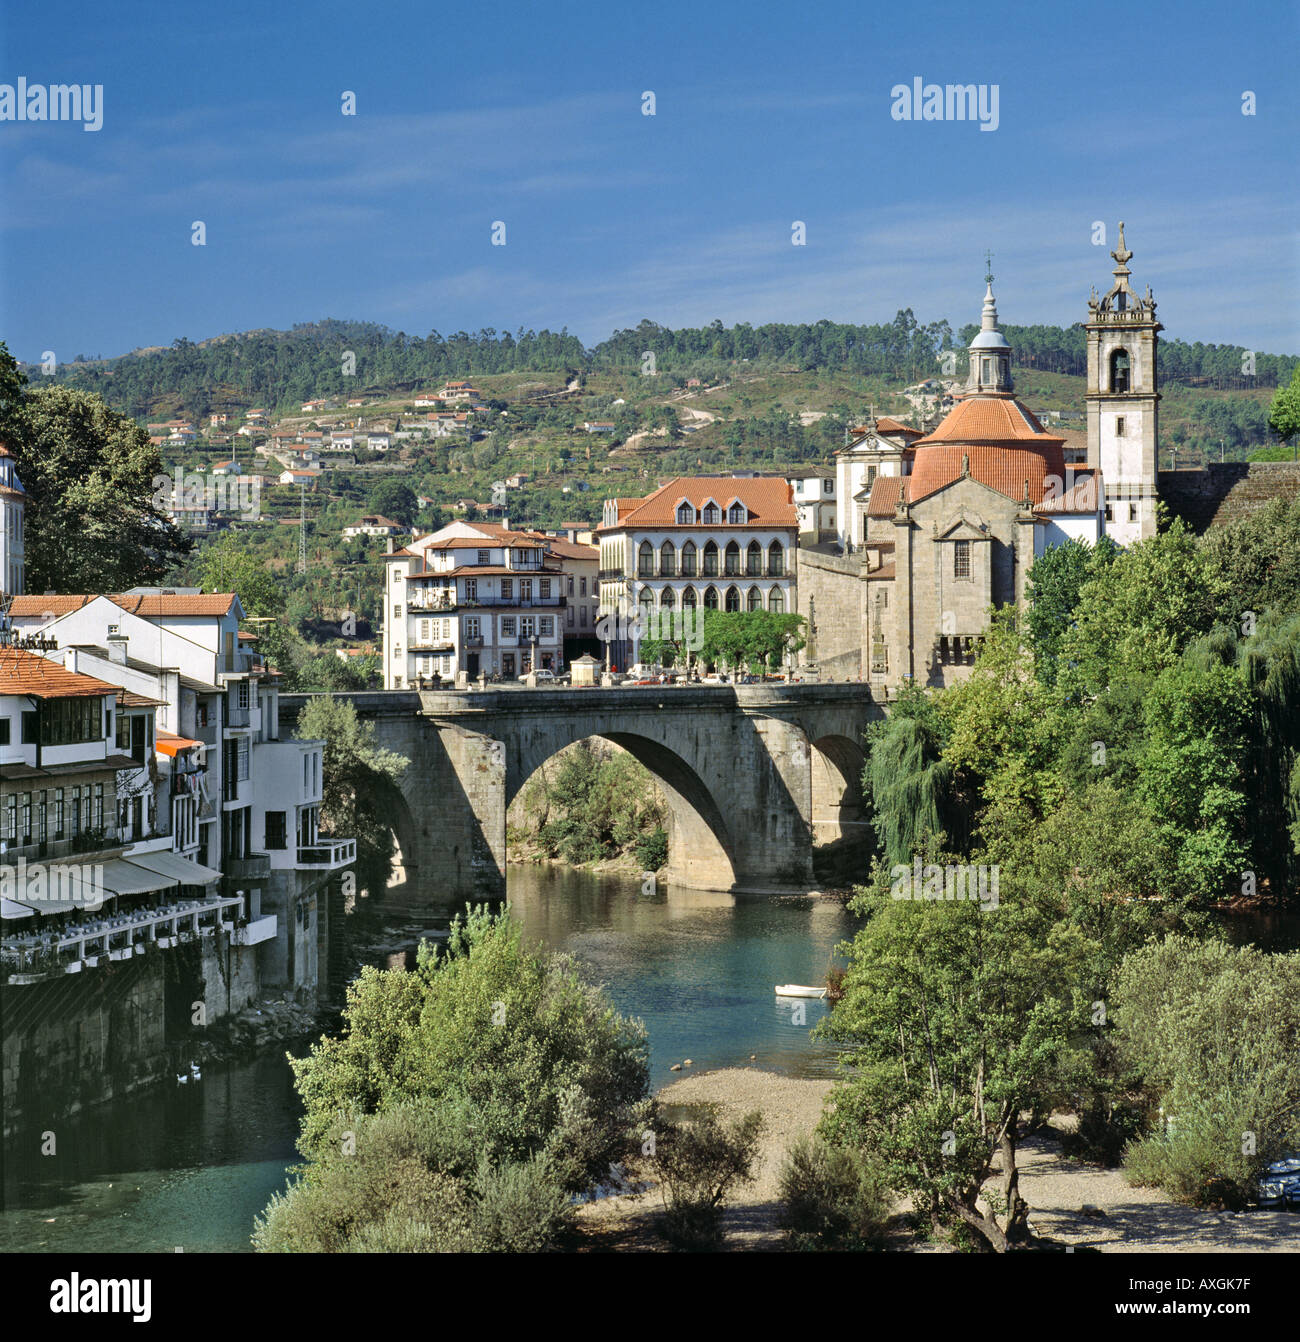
757 778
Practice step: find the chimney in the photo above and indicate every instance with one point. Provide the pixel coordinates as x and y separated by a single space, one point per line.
117 648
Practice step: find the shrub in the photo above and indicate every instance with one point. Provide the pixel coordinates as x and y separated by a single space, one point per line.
652 850
519 1209
833 1197
698 1164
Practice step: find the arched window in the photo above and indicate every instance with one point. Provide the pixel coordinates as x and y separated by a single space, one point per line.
755 599
685 514
754 559
1119 370
645 560
710 598
776 559
689 600
667 559
736 513
732 559
688 560
711 560
733 598
647 600
776 601
667 600
712 514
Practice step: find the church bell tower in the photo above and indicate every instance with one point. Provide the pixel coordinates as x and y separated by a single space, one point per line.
1123 403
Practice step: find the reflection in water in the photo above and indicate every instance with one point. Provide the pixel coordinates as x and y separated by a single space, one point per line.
191 1166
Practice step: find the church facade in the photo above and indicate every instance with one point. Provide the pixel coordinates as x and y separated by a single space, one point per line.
939 528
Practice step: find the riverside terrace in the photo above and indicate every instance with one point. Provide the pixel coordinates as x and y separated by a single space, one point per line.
757 778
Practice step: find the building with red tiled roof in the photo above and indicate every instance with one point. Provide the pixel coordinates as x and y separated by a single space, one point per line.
943 526
697 543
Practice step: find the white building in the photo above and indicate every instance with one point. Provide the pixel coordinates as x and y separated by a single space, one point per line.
374 525
235 795
715 542
472 599
881 448
813 492
13 498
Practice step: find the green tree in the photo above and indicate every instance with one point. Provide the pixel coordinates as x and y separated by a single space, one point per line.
395 499
1284 413
1053 585
228 566
95 487
357 776
957 1016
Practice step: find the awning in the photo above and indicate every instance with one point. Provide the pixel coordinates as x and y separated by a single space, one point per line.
10 909
169 744
175 869
59 887
133 878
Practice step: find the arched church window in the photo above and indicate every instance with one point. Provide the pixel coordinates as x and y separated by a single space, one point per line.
1119 370
710 598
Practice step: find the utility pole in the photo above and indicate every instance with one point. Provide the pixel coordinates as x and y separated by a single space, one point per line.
302 527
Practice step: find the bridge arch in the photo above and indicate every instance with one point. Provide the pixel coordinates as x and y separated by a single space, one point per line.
841 837
701 848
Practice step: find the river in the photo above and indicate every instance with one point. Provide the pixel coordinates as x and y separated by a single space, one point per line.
188 1167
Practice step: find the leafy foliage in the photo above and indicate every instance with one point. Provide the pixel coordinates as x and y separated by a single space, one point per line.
698 1163
833 1198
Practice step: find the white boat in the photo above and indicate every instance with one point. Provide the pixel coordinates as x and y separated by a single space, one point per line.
798 990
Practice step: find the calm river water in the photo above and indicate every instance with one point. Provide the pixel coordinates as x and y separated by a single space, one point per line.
189 1166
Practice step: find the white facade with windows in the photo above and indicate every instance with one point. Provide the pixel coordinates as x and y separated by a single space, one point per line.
12 499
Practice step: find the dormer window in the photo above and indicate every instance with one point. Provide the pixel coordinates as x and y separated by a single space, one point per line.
685 514
736 513
712 514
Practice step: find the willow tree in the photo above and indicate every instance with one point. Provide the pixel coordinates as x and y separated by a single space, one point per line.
913 793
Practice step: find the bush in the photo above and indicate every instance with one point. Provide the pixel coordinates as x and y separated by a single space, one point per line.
834 1198
698 1164
1213 1031
519 1209
652 850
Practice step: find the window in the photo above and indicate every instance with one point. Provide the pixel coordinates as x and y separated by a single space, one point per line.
645 560
276 830
736 513
243 694
1109 512
9 822
688 560
4 731
58 813
685 515
961 560
712 514
710 598
1119 426
732 559
755 599
667 599
570 619
397 612
986 366
543 587
776 601
242 767
733 598
26 816
667 559
584 585
828 486
547 626
99 807
507 589
582 612
525 589
689 599
776 559
711 560
473 627
471 589
1119 371
527 626
485 556
582 589
507 626
754 559
1132 512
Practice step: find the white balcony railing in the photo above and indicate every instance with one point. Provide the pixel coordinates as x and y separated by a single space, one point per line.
326 854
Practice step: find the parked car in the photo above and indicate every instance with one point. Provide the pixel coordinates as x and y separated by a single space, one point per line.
645 671
544 677
1279 1184
716 679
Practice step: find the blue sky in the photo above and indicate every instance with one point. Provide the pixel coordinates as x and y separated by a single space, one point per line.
532 114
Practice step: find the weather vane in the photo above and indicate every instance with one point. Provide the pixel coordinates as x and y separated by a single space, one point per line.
988 267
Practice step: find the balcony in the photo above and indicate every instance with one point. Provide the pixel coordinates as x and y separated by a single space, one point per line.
255 932
252 869
327 854
101 941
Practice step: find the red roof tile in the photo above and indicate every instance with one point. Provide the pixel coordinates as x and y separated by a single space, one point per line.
988 419
23 672
1005 469
147 607
767 499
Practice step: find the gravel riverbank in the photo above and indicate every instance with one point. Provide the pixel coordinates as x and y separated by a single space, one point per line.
1074 1204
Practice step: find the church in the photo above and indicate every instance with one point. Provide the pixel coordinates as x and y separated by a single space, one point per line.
936 528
